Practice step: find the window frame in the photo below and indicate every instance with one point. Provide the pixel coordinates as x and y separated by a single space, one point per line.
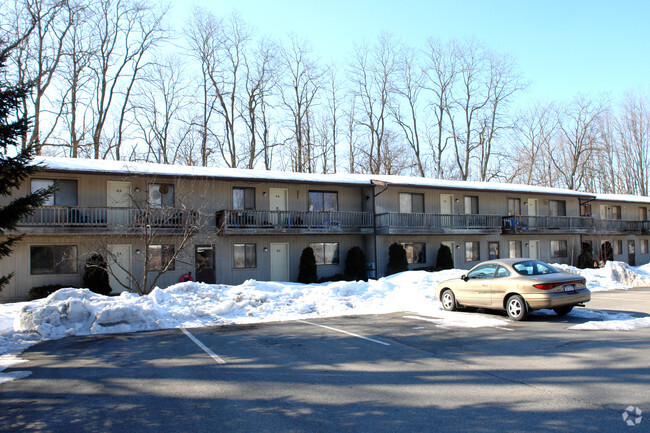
422 256
54 199
557 208
326 260
411 201
471 205
498 252
159 200
644 246
473 248
557 251
72 267
323 201
518 249
249 262
248 194
165 249
514 206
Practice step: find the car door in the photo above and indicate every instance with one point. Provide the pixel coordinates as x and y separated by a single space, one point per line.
476 290
499 286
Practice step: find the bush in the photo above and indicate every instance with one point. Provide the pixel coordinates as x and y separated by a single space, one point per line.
586 257
44 291
444 260
308 272
396 259
606 252
355 264
96 275
336 277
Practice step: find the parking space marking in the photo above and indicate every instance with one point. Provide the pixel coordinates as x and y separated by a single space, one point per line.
441 323
207 350
346 332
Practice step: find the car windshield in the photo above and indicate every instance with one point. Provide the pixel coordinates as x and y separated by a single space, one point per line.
533 267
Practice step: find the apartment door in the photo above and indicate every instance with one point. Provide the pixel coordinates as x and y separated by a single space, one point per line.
204 270
533 211
446 208
631 253
119 264
277 204
533 250
452 247
118 201
279 262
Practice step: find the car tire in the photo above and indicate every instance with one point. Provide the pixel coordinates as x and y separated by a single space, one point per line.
516 308
563 311
448 300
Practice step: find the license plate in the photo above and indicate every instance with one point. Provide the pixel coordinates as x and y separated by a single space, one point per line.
569 288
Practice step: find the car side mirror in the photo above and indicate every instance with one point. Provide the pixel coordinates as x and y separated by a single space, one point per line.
464 277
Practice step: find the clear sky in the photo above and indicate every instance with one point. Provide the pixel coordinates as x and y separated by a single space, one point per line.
562 47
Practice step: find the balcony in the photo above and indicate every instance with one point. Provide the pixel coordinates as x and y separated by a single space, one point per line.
517 224
99 220
294 222
422 223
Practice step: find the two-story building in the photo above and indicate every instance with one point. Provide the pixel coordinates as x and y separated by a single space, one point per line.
231 225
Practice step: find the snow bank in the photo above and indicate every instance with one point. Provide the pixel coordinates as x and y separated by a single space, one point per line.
612 276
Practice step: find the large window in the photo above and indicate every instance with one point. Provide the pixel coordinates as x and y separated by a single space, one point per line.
411 202
161 195
472 251
326 253
53 259
471 205
65 194
415 252
160 256
243 198
557 207
514 206
515 249
559 249
245 255
320 201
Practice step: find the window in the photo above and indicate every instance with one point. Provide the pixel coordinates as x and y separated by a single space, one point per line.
65 194
559 249
514 206
483 272
557 207
471 205
502 272
644 246
245 255
411 202
472 251
326 253
534 267
585 210
323 201
161 195
643 214
415 252
618 247
160 256
616 212
493 248
53 259
515 249
243 198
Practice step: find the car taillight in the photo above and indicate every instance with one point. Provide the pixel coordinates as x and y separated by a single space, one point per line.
547 286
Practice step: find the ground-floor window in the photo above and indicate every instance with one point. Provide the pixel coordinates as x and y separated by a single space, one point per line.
618 247
515 249
415 252
472 251
559 249
493 250
326 253
644 246
53 259
245 255
161 257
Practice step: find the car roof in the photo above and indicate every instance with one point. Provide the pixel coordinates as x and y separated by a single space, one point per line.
509 262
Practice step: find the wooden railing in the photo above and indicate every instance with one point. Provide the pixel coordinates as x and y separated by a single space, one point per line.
258 219
522 224
425 221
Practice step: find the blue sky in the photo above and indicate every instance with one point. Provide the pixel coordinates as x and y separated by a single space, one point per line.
562 47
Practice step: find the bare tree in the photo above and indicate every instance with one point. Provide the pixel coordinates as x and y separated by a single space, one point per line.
634 138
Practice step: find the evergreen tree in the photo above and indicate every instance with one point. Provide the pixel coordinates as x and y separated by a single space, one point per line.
355 264
96 275
308 272
444 260
15 164
397 261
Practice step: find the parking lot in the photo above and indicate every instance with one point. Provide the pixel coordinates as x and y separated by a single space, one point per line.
397 372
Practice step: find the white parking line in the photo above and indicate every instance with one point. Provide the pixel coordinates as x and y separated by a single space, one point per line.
346 332
213 355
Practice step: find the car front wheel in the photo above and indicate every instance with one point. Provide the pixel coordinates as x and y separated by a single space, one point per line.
448 300
516 308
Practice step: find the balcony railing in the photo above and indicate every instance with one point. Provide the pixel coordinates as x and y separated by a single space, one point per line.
564 224
404 223
48 218
256 221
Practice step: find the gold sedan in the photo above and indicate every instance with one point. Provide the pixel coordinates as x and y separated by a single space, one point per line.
517 286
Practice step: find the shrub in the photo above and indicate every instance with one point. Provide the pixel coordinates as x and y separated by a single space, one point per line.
607 252
308 272
355 264
44 291
444 260
396 259
96 275
586 257
336 277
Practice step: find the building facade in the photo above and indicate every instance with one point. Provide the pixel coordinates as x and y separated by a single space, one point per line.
155 223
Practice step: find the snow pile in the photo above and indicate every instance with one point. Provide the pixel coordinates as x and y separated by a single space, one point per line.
612 276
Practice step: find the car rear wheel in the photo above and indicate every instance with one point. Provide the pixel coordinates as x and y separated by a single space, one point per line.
516 307
563 311
448 300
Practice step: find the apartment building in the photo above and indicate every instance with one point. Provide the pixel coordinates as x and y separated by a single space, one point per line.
230 225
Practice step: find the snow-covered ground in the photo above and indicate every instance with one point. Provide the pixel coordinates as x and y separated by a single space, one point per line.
81 312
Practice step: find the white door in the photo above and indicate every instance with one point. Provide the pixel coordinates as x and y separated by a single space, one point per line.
279 262
277 203
119 264
532 211
446 208
603 212
533 250
118 201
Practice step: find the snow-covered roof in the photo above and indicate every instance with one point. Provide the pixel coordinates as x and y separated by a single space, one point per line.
142 168
626 198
